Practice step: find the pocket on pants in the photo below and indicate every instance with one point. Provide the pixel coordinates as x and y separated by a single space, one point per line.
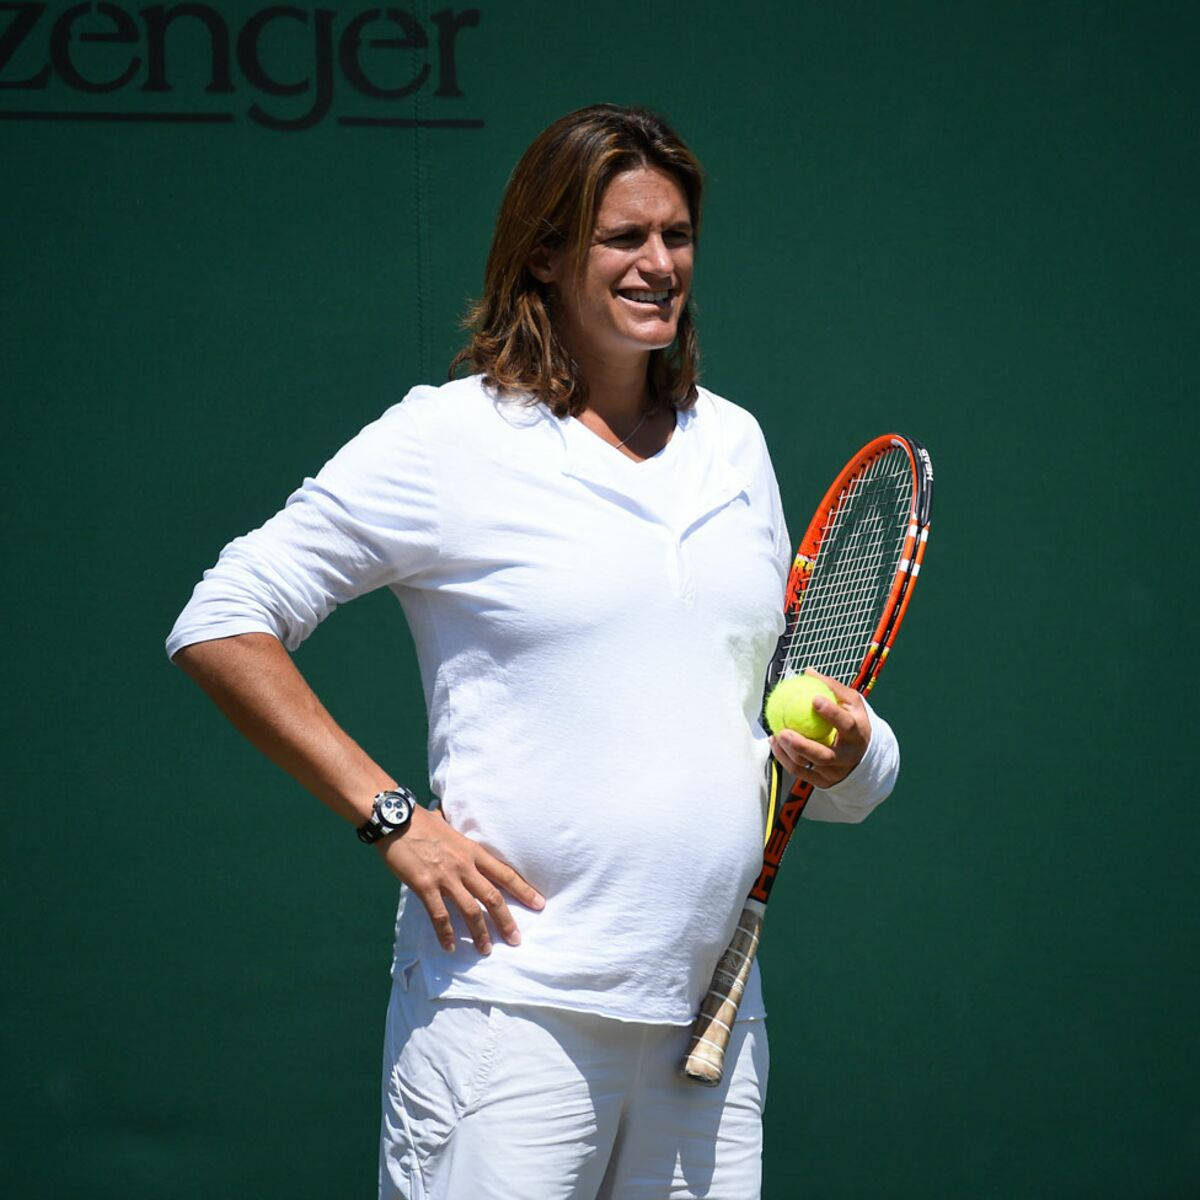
438 1055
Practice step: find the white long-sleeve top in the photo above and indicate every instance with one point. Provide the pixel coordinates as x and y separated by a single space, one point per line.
592 635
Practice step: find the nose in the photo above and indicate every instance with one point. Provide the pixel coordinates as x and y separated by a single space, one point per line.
656 256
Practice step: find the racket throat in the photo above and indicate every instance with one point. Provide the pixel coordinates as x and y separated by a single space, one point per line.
787 815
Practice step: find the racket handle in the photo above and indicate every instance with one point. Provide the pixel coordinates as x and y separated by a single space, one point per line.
704 1061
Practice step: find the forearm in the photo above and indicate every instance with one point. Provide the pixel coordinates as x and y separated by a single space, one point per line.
254 682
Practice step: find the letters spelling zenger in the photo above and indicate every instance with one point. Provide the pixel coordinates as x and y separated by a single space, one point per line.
404 32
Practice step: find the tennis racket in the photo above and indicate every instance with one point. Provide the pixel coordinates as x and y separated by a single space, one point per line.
847 594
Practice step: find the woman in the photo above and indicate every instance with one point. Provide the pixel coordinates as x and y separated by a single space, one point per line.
590 553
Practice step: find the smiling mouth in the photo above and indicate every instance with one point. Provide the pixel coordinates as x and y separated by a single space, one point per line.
649 297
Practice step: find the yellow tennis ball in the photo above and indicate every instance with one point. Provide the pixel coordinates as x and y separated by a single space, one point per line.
789 706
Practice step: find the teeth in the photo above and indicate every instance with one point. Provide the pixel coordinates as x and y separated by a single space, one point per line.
649 297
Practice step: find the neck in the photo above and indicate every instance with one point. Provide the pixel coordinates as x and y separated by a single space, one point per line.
617 391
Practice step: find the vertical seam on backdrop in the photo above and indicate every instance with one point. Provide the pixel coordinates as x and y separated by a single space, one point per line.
420 187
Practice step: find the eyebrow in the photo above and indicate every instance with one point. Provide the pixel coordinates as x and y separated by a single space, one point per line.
635 226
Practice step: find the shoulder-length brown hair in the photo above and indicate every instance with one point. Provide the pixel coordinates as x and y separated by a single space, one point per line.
551 200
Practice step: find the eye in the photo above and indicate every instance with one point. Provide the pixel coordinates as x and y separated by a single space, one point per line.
626 238
678 237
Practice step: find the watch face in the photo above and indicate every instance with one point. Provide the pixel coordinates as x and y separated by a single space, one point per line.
394 810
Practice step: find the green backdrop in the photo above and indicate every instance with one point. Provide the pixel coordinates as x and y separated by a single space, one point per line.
974 222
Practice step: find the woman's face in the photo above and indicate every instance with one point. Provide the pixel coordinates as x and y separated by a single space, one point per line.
628 297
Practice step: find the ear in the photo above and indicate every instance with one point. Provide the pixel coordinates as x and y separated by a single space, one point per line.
545 264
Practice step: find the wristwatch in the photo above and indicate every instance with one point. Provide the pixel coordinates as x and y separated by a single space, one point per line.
390 813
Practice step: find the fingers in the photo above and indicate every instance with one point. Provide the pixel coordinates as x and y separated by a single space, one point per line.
492 875
811 761
499 872
477 927
481 891
439 916
440 895
448 871
844 714
824 766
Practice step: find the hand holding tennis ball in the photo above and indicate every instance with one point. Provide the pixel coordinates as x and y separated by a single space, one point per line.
789 706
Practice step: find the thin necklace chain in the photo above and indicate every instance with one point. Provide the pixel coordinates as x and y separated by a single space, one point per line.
645 417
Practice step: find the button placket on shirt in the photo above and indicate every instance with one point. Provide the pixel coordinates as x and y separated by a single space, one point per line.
617 481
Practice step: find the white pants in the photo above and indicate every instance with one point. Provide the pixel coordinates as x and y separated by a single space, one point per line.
504 1102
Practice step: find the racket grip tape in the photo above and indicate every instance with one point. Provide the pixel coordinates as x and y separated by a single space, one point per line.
704 1061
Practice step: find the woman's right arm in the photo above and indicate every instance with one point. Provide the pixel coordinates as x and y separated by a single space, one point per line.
251 677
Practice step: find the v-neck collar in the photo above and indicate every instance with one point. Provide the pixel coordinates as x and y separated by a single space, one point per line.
606 471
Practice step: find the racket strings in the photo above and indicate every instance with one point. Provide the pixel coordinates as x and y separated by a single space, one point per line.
859 552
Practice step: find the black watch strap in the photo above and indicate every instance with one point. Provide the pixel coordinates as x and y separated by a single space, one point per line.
391 812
